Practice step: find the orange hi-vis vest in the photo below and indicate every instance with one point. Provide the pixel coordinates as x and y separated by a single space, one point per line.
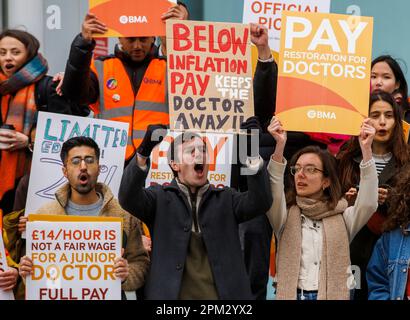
118 102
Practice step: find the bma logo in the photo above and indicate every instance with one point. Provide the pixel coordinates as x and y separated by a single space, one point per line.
313 114
133 19
152 81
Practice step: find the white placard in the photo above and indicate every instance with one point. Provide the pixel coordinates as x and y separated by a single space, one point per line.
46 169
269 14
73 260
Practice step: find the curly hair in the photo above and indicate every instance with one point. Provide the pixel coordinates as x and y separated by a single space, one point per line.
399 202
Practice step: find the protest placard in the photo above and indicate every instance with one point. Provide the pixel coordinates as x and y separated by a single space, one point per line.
131 18
219 152
209 75
4 295
324 72
73 257
46 169
269 14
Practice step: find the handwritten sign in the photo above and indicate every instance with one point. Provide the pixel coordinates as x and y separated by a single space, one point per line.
73 258
209 75
324 72
52 130
131 18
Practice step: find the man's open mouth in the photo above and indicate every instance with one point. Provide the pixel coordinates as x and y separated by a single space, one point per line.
199 168
83 178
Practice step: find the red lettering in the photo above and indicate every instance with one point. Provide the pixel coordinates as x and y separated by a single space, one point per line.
181 33
176 79
198 38
224 44
212 43
238 42
189 82
258 9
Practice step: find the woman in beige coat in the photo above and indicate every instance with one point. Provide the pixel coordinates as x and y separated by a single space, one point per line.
313 223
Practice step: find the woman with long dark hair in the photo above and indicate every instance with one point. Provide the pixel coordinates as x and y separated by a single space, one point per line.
390 153
387 76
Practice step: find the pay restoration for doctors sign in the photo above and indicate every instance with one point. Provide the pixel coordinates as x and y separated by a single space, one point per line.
324 72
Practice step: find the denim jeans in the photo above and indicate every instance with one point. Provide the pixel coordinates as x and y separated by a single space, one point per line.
312 295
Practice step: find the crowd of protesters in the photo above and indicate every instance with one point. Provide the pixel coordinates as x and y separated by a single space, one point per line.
331 202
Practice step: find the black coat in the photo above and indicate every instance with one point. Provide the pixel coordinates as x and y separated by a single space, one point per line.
166 211
47 99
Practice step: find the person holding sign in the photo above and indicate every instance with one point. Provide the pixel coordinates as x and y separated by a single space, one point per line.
8 268
194 225
128 86
391 153
25 89
387 271
313 223
83 196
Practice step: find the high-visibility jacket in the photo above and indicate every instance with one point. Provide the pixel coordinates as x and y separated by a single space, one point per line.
118 102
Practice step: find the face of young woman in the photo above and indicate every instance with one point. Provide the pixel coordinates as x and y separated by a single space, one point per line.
309 179
382 118
13 55
382 78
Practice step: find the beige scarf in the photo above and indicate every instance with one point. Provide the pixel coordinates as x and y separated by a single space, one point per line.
335 253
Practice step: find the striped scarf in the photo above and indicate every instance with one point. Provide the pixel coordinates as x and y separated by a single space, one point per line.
19 109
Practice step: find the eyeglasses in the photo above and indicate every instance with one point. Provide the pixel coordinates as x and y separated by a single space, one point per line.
309 169
76 161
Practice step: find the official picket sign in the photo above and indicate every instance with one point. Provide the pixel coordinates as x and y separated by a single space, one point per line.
46 168
324 72
73 257
269 14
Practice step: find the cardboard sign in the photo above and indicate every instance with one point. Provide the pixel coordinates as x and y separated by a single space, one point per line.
131 18
209 75
219 151
73 259
269 14
324 72
4 295
46 169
